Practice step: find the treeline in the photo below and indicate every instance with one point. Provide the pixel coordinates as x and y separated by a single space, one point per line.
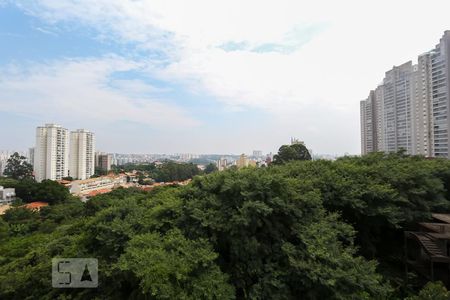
298 230
167 171
28 190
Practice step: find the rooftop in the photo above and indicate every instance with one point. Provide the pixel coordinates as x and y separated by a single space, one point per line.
37 205
442 217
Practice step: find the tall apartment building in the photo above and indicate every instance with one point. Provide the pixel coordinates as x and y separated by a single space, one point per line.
51 153
82 154
242 162
412 107
103 161
222 164
397 98
379 119
31 156
421 110
440 94
369 121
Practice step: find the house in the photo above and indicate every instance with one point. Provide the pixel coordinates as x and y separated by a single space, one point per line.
427 251
7 195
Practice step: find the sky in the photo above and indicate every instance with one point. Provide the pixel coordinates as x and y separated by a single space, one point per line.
203 76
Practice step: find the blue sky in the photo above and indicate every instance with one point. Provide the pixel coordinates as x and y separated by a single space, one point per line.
201 77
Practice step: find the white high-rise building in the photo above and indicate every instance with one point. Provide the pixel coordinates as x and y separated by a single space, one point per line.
222 164
440 94
421 108
368 119
412 107
82 154
51 154
31 156
397 97
378 98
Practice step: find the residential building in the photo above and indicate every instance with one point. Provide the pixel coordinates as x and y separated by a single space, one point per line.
397 97
296 141
378 116
7 195
82 154
440 94
103 161
368 131
2 166
222 164
31 156
84 187
242 161
4 156
257 153
410 110
421 109
51 154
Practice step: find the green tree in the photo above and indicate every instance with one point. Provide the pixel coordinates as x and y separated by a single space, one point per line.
17 167
288 153
309 229
432 291
275 239
21 221
172 171
173 267
8 182
47 191
210 168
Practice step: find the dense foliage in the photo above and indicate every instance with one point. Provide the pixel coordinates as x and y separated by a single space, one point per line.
293 152
300 230
17 167
28 190
167 171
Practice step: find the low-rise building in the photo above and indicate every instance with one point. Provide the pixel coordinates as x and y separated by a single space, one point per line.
7 195
87 186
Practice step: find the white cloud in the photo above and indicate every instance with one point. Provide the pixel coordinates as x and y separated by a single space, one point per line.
287 56
83 89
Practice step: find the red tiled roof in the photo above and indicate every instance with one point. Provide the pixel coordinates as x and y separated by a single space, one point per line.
35 205
98 192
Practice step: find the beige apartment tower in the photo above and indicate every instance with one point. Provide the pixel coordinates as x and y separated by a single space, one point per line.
82 154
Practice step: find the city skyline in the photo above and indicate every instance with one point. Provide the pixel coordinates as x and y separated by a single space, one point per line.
148 77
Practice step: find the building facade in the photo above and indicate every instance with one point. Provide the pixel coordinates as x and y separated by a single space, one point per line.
368 118
7 195
103 161
410 110
83 187
31 156
440 85
82 154
51 153
222 164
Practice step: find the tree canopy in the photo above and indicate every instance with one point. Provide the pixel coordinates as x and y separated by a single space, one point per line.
17 167
303 229
292 152
28 190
